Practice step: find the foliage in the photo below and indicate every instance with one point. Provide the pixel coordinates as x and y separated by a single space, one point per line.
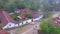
50 5
44 5
14 16
22 26
47 14
49 28
28 15
0 26
11 5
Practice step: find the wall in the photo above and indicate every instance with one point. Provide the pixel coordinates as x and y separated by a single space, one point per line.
9 25
29 20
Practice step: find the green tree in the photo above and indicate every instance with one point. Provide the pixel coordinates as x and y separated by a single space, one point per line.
12 4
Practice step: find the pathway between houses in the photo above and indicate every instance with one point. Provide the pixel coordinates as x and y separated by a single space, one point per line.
26 30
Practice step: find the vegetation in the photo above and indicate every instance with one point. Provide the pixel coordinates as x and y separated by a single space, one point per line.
49 28
14 16
45 5
11 5
47 14
22 26
0 26
28 15
49 5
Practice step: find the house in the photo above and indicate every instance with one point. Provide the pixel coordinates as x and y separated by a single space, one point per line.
35 15
24 12
8 22
57 21
17 11
4 32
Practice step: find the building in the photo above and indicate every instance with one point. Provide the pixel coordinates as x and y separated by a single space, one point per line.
57 21
6 19
8 22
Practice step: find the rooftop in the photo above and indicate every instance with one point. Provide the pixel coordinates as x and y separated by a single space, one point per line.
4 32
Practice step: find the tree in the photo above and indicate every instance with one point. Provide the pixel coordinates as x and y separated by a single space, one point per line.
10 5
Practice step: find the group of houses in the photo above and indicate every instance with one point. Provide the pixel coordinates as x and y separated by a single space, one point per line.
8 22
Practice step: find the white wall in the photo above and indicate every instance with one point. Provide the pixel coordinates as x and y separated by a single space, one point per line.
7 26
38 18
11 13
19 17
18 11
24 22
20 24
29 21
16 25
35 19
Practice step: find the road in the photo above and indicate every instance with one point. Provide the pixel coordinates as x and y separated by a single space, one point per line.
29 29
56 13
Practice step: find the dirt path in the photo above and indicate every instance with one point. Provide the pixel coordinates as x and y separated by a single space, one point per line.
55 14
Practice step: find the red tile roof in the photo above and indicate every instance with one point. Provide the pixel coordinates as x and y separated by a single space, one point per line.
5 18
57 21
27 10
4 32
34 13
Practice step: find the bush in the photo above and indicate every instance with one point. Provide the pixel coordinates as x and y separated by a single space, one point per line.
14 16
28 15
0 26
49 28
47 14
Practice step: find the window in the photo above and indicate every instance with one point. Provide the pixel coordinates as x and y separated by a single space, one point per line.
10 25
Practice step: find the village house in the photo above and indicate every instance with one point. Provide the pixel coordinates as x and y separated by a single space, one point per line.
57 21
8 22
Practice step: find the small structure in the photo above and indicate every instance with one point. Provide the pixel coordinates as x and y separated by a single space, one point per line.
24 12
17 11
57 21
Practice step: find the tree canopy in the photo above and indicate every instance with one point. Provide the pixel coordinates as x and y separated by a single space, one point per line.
46 5
11 5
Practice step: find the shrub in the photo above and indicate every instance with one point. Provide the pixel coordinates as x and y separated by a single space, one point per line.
14 16
0 26
28 15
49 28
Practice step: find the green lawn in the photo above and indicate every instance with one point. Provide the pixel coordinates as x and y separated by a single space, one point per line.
49 28
22 26
0 26
14 16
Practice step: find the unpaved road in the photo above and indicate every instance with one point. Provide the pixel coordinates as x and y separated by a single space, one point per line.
55 14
